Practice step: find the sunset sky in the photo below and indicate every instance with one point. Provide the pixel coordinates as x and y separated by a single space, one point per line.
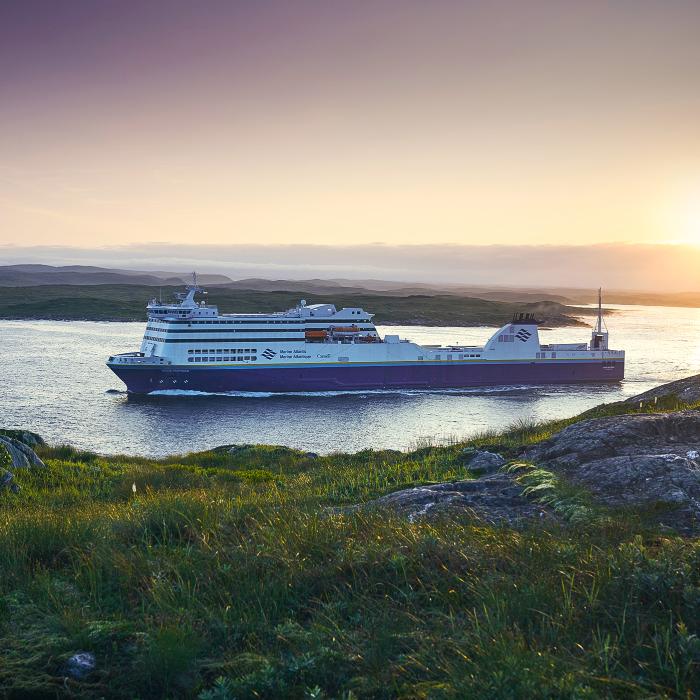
401 122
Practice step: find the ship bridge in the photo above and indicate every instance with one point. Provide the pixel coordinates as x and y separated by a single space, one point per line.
185 306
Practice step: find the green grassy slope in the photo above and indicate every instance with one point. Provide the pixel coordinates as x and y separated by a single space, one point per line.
234 575
127 303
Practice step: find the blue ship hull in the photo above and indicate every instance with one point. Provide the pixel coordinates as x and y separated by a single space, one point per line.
146 379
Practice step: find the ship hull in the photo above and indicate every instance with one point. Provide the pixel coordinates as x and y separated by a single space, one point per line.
147 379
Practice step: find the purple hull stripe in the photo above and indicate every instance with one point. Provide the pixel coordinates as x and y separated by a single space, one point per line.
142 380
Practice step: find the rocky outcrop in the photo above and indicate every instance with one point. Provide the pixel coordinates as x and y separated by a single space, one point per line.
482 461
632 460
686 390
496 499
649 461
21 455
26 436
15 454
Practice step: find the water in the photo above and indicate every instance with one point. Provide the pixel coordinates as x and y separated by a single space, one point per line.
55 382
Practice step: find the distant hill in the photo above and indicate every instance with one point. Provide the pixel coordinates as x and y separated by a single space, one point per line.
36 275
31 275
126 302
395 289
684 299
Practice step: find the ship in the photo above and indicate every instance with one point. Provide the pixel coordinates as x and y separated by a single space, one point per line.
189 346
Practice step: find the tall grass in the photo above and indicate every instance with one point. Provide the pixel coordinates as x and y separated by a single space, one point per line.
231 575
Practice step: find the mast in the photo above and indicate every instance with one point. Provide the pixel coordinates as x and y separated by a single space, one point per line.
599 328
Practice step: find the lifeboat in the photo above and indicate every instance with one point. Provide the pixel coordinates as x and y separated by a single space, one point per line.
316 335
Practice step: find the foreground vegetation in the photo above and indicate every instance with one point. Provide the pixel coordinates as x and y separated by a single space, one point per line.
239 574
121 302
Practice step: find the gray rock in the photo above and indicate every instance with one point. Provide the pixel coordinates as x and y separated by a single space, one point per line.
486 462
6 481
495 498
22 455
632 460
80 665
232 449
687 390
28 438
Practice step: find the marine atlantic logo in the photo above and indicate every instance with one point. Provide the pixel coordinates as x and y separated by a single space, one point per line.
268 354
523 334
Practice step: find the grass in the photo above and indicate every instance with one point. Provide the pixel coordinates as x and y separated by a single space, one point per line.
230 574
114 302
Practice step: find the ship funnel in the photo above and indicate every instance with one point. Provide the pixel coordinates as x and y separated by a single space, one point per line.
527 319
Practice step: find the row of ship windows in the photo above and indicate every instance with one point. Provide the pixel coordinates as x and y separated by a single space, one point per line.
266 322
219 351
448 357
220 358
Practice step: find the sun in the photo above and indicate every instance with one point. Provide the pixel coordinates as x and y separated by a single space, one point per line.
680 215
689 219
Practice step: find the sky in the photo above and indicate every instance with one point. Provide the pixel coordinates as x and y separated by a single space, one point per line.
526 122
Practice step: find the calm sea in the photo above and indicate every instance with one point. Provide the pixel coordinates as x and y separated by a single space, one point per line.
54 382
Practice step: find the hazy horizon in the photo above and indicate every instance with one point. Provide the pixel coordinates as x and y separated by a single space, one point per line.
649 268
463 123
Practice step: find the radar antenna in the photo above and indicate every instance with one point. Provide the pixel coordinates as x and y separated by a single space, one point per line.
599 327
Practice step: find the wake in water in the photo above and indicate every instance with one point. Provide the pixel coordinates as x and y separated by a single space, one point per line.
475 391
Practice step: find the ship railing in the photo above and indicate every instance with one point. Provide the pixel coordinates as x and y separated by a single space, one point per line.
137 358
